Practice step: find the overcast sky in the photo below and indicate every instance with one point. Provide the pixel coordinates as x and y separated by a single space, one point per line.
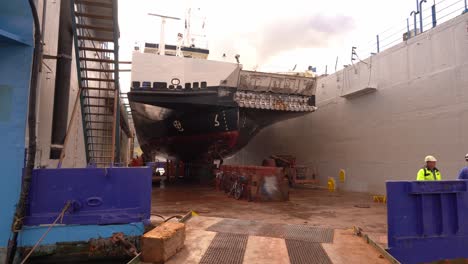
272 35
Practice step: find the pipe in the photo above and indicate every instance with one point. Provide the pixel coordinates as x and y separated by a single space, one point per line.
44 12
414 13
20 209
434 18
62 80
420 15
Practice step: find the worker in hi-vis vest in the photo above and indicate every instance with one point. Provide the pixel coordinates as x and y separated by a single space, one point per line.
429 172
463 175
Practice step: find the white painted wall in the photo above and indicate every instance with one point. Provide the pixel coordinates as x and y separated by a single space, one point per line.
420 108
154 68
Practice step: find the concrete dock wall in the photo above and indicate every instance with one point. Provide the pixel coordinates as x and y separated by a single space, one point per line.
420 107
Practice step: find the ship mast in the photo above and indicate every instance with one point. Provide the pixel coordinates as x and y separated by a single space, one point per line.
189 38
162 42
188 42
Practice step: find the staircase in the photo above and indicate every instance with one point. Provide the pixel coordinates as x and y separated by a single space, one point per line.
96 33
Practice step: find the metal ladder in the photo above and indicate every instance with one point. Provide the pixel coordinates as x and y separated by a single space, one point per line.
96 33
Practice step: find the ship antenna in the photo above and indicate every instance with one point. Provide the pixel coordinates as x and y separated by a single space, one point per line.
188 35
162 43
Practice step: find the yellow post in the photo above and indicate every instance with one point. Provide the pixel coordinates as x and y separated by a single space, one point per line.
342 175
331 184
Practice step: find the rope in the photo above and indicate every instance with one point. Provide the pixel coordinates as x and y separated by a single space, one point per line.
59 217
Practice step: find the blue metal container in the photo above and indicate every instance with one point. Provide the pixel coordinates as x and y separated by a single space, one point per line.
98 195
427 221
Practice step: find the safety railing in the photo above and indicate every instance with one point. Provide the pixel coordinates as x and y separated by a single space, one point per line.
425 16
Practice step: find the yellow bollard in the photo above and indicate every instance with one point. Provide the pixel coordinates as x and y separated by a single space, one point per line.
331 184
380 198
342 175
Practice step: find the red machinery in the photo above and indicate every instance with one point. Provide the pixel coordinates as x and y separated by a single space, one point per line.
295 174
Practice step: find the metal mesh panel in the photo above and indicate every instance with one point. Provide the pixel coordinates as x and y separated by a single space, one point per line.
226 248
301 252
253 228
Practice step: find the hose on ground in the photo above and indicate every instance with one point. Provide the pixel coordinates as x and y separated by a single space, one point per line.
167 219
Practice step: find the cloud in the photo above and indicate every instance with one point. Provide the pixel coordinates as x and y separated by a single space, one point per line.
297 33
263 41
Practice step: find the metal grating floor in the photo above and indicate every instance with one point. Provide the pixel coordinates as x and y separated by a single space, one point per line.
226 249
294 232
301 252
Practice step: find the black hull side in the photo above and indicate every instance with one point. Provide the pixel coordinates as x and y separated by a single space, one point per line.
197 129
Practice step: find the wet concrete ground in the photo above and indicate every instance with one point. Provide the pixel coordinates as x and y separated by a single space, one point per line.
310 206
306 206
346 248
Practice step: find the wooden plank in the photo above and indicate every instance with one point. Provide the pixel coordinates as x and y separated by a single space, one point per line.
97 70
97 28
98 129
95 39
97 49
98 114
94 3
98 97
98 89
98 60
100 136
97 79
96 16
99 122
94 105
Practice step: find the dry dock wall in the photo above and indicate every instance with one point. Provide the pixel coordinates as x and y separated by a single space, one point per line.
420 107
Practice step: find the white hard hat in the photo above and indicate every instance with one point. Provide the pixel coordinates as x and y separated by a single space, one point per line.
430 158
466 156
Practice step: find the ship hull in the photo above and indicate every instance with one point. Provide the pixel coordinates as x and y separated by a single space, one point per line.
213 129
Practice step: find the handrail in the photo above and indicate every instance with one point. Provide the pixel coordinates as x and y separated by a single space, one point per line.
444 10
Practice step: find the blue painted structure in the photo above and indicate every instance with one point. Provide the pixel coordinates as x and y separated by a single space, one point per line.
427 221
98 195
16 50
421 23
434 15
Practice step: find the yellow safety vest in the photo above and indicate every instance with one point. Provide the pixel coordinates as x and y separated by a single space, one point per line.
425 174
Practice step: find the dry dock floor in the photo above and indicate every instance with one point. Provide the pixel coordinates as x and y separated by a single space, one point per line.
241 226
